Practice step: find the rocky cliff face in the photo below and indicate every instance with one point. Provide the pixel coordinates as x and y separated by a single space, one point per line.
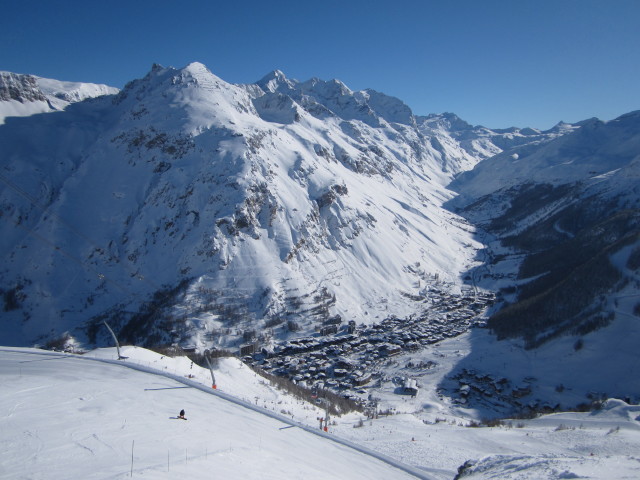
21 88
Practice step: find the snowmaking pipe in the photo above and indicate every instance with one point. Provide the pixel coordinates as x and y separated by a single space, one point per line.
120 357
213 377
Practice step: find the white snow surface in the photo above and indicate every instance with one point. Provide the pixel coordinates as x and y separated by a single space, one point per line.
66 416
14 108
69 417
71 92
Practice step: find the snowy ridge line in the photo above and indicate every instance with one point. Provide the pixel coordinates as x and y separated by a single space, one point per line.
191 383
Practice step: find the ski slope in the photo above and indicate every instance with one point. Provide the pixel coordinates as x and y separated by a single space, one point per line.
65 416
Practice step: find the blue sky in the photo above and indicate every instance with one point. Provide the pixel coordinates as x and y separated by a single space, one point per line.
495 63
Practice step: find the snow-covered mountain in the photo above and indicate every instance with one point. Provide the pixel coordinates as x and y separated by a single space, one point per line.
184 209
564 223
23 95
592 153
188 209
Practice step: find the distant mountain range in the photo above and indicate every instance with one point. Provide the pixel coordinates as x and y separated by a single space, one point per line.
22 95
569 212
184 209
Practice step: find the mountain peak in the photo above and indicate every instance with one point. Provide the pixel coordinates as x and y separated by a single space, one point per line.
274 81
274 75
200 73
196 68
326 88
390 108
447 121
561 127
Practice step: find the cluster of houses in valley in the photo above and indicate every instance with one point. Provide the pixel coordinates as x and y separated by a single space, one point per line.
345 357
491 391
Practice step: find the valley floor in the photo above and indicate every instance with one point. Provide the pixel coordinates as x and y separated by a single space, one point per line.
432 430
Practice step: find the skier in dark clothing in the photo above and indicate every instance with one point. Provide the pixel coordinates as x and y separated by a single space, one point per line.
181 414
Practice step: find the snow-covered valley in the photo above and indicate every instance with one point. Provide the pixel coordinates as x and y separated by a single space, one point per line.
475 292
189 210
